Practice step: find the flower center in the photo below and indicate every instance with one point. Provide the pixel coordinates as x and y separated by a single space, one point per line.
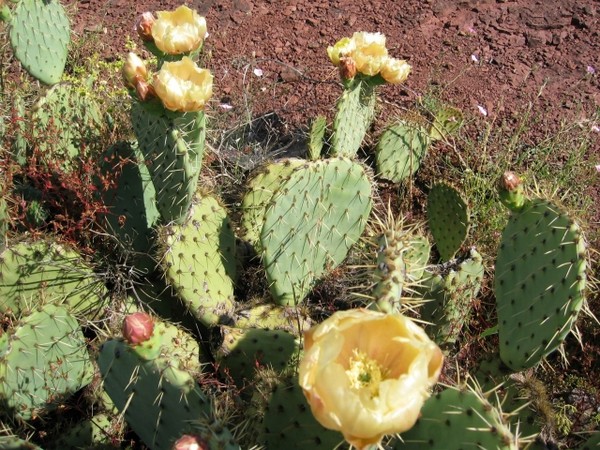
365 373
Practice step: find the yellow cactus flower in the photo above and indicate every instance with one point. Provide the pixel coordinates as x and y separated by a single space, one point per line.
183 86
369 53
134 69
179 31
343 47
395 70
367 374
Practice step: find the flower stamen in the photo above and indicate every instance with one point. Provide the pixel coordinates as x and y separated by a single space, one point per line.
365 373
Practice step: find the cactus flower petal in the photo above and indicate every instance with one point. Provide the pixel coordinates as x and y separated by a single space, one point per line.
183 86
138 327
179 31
395 71
367 374
134 69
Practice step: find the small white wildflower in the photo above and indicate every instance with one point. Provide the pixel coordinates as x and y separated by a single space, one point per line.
482 110
474 58
598 168
225 106
258 72
591 70
596 128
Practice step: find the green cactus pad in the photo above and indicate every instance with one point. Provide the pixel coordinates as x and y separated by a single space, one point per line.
262 187
311 223
95 433
400 151
447 121
455 420
243 351
66 122
448 218
449 296
39 35
173 146
43 359
33 273
159 401
131 204
198 260
355 113
316 137
288 422
593 443
16 443
539 284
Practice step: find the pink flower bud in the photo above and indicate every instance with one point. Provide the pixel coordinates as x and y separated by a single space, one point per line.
138 327
189 442
143 26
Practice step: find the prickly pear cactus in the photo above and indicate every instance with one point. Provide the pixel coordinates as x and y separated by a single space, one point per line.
355 113
449 296
311 223
401 261
96 432
446 122
198 260
244 350
43 359
261 189
159 401
39 35
173 146
72 118
32 273
131 203
455 419
288 422
4 217
539 284
448 218
400 150
16 443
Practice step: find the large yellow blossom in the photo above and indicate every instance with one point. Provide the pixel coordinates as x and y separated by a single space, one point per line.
179 31
183 86
369 53
367 374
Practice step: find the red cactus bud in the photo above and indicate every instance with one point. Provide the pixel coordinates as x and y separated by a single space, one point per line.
145 90
510 181
347 68
190 442
143 26
138 327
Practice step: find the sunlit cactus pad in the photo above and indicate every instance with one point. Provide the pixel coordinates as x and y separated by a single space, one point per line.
39 36
539 284
45 271
456 419
448 218
43 358
311 223
400 150
261 188
198 259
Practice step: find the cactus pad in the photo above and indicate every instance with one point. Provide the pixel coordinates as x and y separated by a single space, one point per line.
458 419
73 121
288 422
540 279
159 401
311 223
400 151
355 112
39 35
262 187
448 218
32 273
198 260
316 137
447 121
43 359
173 146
